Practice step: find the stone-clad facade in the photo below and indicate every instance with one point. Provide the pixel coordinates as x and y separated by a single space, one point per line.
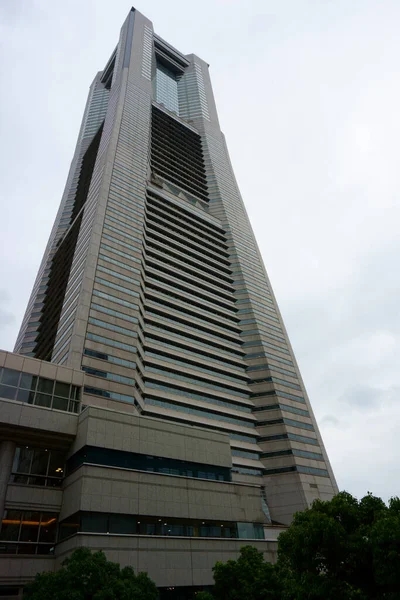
186 404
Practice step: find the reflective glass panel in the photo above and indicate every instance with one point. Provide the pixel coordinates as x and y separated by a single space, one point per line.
43 400
48 528
10 377
28 382
245 530
10 525
62 389
7 392
56 464
122 524
25 396
26 549
30 527
40 462
166 85
60 403
45 385
93 522
22 460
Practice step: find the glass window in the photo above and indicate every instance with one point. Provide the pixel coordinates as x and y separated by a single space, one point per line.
246 454
94 522
73 407
60 403
10 377
113 313
115 300
25 396
148 529
69 527
243 438
75 392
31 532
302 438
118 263
219 387
43 400
45 385
166 88
30 527
11 525
194 411
307 454
28 382
22 460
131 460
110 342
245 471
245 530
297 411
23 479
258 531
118 276
299 424
96 372
26 548
62 389
176 530
40 462
96 354
110 358
56 464
312 471
8 392
122 524
227 532
39 467
44 395
48 528
44 467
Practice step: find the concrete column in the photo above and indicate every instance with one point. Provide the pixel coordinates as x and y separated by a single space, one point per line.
7 451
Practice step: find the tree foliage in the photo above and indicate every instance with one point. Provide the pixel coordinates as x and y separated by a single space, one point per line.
248 578
341 549
90 576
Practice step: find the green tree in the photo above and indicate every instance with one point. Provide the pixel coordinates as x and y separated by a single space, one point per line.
248 578
342 549
385 545
90 576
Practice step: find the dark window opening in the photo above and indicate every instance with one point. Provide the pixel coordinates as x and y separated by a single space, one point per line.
62 259
173 147
143 462
28 532
97 522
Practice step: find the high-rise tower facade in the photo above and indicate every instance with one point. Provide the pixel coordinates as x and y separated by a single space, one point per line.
153 291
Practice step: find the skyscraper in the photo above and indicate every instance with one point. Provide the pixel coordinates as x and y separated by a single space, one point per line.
153 304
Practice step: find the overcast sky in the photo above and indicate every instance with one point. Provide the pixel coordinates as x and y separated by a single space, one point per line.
308 94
